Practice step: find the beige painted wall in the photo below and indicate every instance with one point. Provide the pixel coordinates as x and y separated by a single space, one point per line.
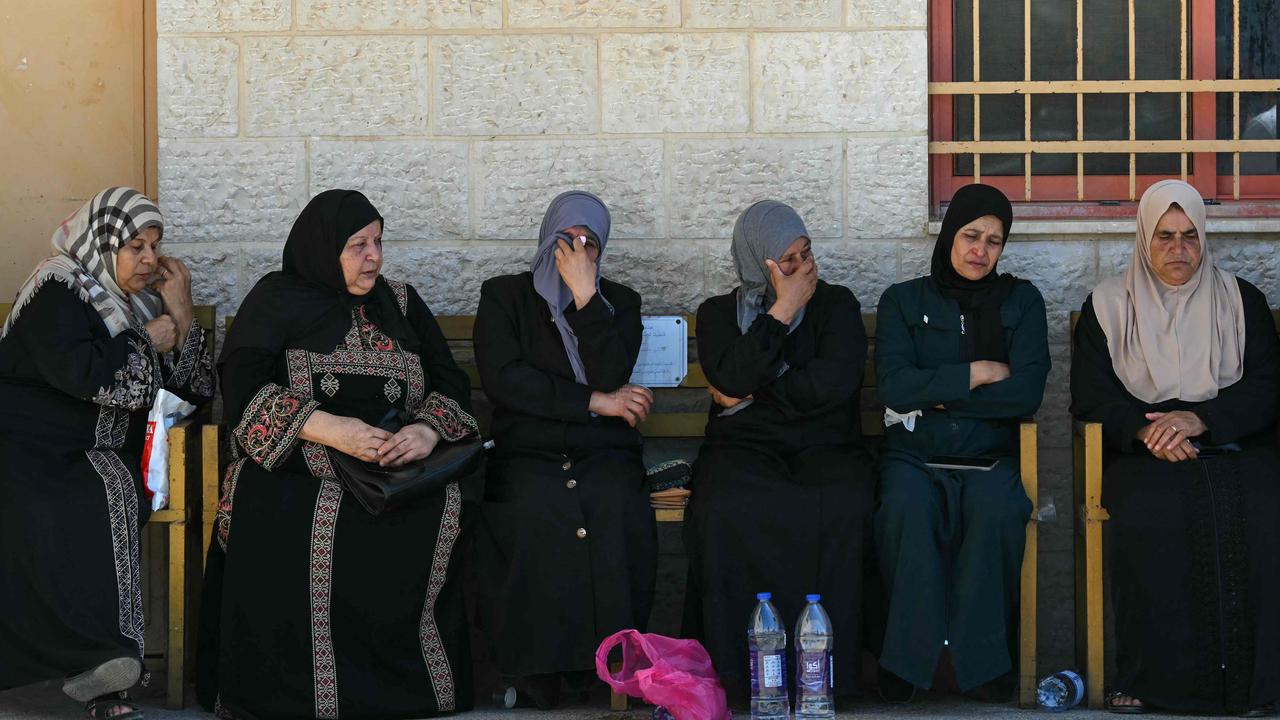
71 116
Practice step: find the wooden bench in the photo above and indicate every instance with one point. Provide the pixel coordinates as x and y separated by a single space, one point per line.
181 540
660 424
1086 467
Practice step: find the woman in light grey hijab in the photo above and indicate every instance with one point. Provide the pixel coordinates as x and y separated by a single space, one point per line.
554 264
567 544
761 236
782 486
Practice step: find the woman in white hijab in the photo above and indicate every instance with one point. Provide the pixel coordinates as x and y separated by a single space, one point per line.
1179 361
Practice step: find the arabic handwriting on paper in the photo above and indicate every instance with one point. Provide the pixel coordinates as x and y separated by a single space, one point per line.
663 360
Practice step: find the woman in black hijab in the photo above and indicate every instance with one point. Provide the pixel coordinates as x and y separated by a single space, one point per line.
314 607
961 355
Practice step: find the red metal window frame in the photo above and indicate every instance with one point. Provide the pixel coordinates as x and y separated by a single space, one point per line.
1202 169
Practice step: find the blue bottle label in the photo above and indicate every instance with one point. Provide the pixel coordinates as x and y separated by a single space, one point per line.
767 671
815 676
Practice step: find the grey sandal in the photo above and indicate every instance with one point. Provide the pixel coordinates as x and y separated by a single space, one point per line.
109 677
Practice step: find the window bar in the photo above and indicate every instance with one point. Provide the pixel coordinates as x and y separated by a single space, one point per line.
1133 109
1102 87
1235 97
1080 97
1026 99
977 98
1182 75
1203 29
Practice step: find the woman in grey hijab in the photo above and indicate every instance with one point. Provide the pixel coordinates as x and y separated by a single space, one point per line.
567 543
782 486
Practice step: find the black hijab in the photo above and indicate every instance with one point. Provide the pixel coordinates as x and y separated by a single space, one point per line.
979 300
306 304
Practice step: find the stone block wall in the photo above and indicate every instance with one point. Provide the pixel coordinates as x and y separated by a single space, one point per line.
461 119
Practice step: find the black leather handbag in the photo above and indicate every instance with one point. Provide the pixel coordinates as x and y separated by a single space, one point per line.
383 489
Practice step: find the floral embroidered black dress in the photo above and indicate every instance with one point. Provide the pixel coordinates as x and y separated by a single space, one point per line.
314 607
73 412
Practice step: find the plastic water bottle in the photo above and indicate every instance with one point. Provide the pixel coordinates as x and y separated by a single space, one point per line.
1060 691
767 643
814 666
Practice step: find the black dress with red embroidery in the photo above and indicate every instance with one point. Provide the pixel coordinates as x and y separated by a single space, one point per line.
314 607
73 415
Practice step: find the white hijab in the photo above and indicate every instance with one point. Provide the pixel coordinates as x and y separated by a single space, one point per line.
1167 341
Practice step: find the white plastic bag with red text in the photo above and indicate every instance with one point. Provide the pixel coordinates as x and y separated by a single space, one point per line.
166 411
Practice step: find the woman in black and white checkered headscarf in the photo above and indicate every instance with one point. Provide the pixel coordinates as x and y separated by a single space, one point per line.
96 332
86 245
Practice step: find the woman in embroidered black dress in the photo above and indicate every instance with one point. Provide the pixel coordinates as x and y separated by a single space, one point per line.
1179 361
566 545
82 355
314 607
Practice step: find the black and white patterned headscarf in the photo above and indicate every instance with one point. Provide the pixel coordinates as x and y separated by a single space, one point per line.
85 247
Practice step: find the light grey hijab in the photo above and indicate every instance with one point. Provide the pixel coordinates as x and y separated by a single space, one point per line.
575 207
763 231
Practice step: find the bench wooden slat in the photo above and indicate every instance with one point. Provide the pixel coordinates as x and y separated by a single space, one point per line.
695 377
669 515
674 425
456 327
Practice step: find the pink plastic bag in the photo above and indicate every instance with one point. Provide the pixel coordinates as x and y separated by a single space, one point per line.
676 674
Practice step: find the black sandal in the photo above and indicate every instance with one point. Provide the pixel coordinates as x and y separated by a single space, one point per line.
112 706
1137 707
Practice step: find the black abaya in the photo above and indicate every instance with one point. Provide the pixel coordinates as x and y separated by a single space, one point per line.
1192 552
73 415
782 489
566 544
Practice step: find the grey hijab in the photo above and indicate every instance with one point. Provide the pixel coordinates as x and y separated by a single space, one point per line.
575 207
763 231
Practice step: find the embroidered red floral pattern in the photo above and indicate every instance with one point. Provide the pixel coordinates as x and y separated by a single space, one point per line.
222 520
371 336
447 418
269 427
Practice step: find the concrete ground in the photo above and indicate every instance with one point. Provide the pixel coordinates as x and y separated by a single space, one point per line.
46 702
